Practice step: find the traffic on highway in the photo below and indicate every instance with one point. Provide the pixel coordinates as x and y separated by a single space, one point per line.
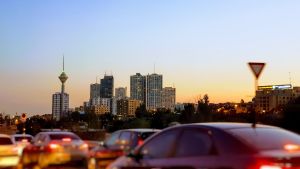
196 145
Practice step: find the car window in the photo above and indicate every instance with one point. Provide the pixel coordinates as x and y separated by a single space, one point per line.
112 139
160 146
194 143
42 139
124 138
37 139
266 138
5 141
62 136
21 138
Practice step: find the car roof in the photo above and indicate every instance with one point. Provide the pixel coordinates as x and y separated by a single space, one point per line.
21 135
141 130
4 135
56 132
225 125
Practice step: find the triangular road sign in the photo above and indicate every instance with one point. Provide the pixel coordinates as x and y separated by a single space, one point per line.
256 68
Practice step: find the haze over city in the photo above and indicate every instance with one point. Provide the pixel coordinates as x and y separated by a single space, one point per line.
199 47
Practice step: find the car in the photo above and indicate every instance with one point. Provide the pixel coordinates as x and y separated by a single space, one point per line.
92 143
8 152
21 140
216 145
59 148
119 143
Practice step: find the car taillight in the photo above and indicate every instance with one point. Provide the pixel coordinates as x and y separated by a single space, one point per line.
140 141
270 167
291 147
67 139
272 163
24 140
53 146
84 147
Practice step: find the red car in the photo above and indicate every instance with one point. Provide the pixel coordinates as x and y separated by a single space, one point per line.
216 146
119 143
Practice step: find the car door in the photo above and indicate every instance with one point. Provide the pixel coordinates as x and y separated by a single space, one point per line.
186 148
195 149
158 151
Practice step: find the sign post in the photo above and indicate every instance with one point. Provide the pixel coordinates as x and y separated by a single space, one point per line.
23 119
256 68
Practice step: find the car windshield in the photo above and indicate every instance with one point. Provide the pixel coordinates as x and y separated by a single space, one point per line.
21 138
63 136
5 141
266 138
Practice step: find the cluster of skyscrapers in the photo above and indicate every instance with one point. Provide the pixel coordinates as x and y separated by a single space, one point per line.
144 89
149 91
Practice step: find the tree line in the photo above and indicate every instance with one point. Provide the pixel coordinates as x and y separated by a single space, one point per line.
288 118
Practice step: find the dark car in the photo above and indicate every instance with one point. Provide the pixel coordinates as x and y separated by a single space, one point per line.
119 143
216 146
54 149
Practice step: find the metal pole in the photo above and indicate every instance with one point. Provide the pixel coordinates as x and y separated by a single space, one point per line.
255 102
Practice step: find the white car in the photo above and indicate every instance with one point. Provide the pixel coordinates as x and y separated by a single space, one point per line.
21 140
8 152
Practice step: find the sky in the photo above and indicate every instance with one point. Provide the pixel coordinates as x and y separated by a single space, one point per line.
200 47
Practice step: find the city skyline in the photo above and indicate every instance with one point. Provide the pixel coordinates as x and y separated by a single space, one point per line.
199 47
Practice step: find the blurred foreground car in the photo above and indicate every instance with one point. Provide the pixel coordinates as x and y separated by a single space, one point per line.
216 145
119 143
8 152
92 144
54 149
21 140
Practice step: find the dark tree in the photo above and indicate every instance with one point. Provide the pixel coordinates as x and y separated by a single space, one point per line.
162 118
291 115
141 111
75 116
187 114
203 110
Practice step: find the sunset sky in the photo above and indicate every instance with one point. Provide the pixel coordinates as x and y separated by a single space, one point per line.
199 46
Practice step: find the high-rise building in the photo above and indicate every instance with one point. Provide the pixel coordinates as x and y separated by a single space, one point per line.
100 109
126 108
122 108
95 90
132 106
168 98
60 101
56 105
121 93
137 87
107 87
100 105
153 86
